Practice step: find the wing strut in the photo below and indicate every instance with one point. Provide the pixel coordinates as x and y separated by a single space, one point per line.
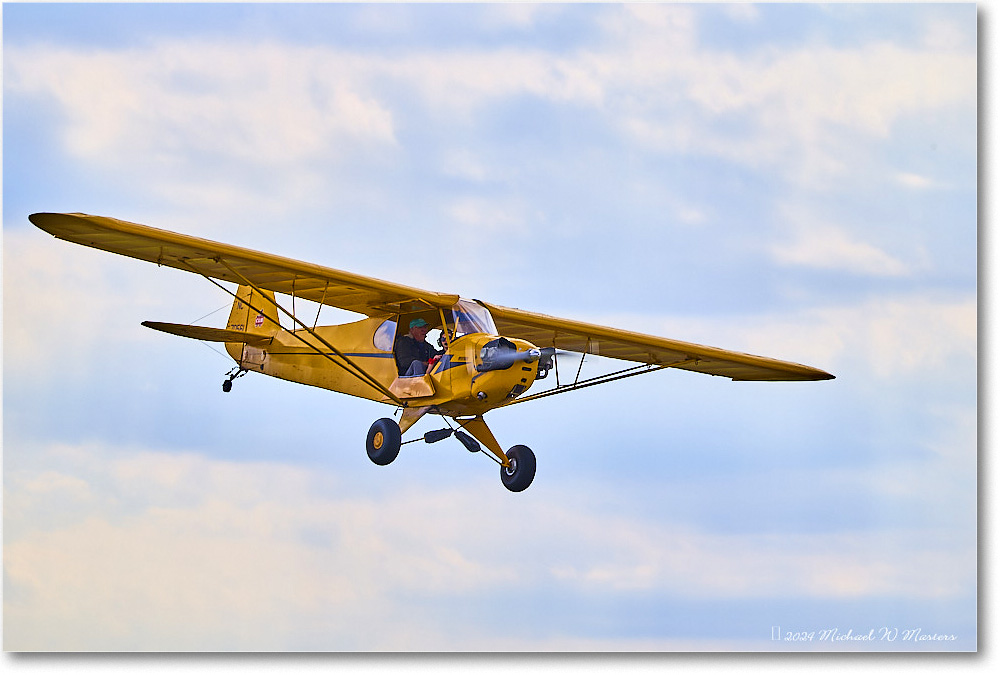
601 379
319 307
357 371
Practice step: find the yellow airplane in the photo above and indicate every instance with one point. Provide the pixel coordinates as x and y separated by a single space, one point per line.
489 355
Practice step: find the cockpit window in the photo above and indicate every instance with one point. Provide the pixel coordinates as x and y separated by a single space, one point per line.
384 335
471 317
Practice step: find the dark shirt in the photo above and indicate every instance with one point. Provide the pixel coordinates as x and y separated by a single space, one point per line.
407 350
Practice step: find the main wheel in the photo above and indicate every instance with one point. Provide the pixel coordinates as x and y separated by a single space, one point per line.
383 441
521 472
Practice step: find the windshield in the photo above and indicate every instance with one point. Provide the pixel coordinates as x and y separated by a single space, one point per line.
471 317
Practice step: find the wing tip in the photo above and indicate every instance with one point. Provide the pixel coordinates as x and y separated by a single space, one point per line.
38 219
813 375
48 220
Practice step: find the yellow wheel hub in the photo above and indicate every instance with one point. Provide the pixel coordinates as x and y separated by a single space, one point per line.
378 440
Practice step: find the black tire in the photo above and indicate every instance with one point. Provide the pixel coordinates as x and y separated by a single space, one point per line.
383 441
521 472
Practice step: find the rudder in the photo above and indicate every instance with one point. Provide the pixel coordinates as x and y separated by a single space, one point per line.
253 313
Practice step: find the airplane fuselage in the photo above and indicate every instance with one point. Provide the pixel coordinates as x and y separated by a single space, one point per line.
454 385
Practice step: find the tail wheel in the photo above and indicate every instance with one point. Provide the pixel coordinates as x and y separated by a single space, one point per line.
383 441
521 472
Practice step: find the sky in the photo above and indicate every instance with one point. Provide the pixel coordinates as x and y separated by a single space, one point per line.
795 181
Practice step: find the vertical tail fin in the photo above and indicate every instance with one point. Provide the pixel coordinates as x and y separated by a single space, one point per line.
251 313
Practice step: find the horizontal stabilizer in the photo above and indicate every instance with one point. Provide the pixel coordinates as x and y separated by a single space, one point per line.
208 334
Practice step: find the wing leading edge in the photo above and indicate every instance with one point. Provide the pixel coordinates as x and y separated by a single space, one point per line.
577 336
374 297
353 292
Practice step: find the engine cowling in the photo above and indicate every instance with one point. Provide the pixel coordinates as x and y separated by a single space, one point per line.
501 354
505 369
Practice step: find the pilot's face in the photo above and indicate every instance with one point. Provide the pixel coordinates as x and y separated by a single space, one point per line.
420 332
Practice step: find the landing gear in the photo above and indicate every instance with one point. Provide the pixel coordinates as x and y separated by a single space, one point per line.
227 384
521 472
517 465
383 441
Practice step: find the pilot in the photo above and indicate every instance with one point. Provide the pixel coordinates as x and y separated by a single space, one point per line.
412 350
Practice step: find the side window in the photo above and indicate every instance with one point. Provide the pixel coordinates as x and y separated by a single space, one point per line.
384 335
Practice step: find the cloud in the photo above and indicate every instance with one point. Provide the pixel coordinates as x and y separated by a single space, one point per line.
480 219
521 15
917 335
215 555
915 181
66 300
808 112
741 566
260 103
742 13
220 126
803 111
900 336
831 248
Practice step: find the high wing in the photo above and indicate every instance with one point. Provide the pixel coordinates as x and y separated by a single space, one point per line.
577 336
324 285
374 297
